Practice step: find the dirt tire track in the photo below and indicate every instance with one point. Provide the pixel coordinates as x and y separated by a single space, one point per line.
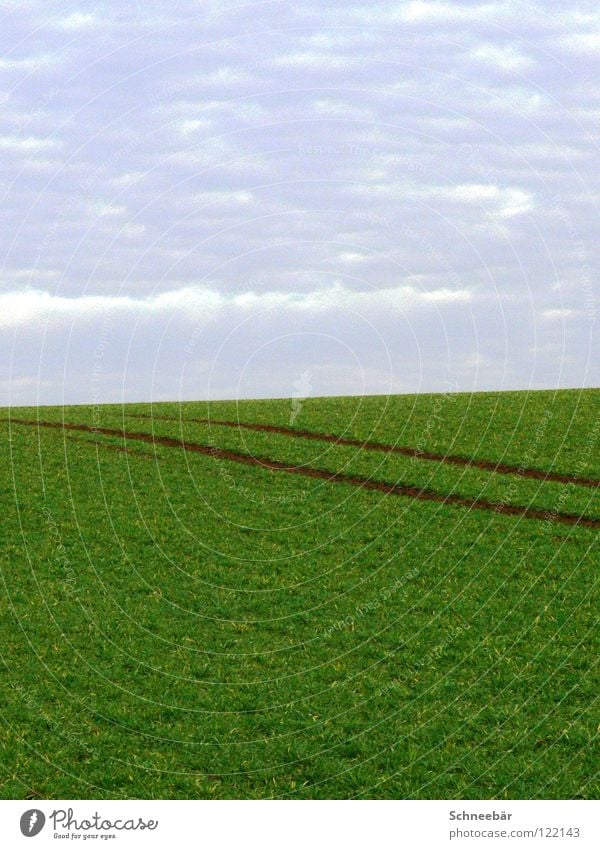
331 477
120 449
453 459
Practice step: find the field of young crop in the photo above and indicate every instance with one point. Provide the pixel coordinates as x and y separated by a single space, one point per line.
375 597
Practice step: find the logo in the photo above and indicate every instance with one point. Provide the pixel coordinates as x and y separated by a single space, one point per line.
32 822
302 389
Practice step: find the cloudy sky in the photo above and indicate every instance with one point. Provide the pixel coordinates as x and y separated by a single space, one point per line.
204 199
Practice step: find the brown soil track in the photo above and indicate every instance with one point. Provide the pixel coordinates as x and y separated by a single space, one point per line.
330 477
453 459
120 449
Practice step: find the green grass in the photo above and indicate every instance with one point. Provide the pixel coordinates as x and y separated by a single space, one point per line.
180 626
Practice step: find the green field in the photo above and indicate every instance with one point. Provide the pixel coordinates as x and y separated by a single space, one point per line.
180 624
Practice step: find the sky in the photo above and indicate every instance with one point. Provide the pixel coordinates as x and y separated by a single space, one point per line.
275 199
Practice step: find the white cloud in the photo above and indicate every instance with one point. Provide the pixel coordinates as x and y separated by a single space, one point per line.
505 58
20 276
107 210
447 296
133 231
442 123
36 307
502 202
27 63
127 179
221 198
76 21
472 192
498 201
351 257
559 313
192 125
26 144
225 77
419 10
423 12
511 100
587 43
313 59
342 109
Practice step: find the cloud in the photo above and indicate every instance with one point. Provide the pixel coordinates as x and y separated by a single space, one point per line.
504 58
26 144
77 21
499 201
435 12
314 60
352 257
503 202
587 43
342 109
18 309
559 313
28 63
424 13
429 156
193 125
106 210
222 198
225 77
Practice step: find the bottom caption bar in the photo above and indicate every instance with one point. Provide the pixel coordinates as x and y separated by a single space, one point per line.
283 824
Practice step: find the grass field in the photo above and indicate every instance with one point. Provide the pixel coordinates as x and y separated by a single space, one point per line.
198 609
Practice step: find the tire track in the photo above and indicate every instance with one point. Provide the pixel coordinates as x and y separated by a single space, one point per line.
331 477
119 449
452 459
